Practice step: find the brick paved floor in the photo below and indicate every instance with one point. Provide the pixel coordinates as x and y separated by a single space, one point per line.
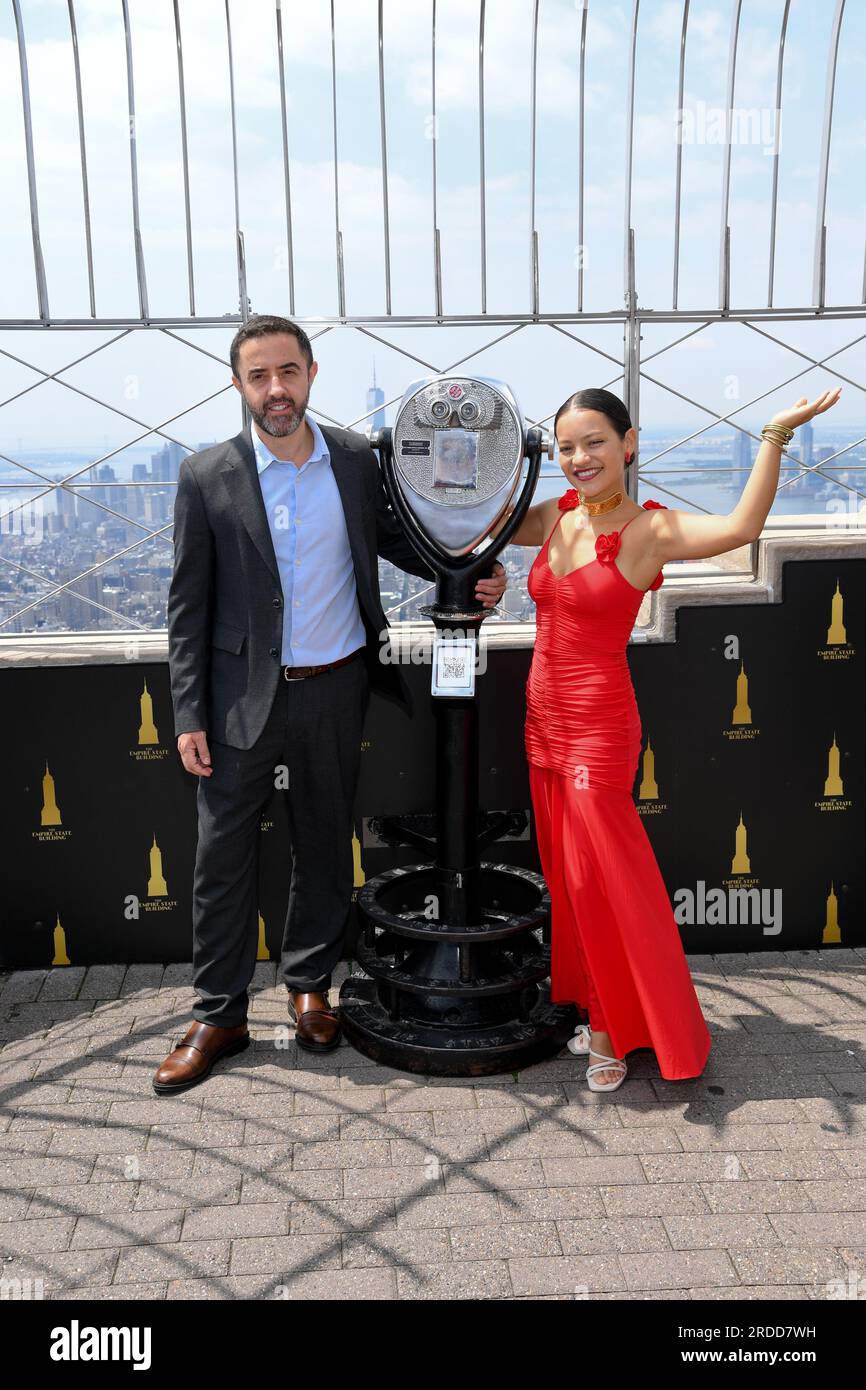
288 1175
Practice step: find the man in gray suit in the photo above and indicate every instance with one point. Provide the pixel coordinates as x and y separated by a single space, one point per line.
274 625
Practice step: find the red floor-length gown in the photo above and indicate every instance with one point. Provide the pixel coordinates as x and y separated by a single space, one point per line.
615 945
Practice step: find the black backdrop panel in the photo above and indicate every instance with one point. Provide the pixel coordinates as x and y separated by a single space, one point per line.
750 787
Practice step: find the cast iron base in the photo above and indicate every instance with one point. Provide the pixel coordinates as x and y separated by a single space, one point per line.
439 1051
454 1001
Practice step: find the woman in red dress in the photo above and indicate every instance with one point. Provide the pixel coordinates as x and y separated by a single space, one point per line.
615 945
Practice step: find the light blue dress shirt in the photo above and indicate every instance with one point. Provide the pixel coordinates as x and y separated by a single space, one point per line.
321 616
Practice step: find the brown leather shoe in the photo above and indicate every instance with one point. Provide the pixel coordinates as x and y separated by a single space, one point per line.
192 1059
318 1025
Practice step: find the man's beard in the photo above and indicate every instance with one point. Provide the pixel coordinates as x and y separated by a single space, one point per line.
278 426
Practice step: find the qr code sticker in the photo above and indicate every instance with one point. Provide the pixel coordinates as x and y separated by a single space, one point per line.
453 668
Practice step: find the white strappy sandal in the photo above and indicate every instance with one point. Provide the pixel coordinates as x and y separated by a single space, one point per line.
580 1042
606 1064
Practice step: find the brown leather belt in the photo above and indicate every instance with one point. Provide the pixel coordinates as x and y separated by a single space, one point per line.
299 673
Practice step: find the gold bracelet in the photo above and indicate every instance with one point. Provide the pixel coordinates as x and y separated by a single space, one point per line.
778 435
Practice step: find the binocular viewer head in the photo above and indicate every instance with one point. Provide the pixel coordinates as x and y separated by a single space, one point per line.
456 453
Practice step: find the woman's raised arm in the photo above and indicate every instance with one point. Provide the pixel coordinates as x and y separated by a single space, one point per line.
682 536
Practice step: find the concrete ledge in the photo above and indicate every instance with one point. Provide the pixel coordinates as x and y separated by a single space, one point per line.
765 586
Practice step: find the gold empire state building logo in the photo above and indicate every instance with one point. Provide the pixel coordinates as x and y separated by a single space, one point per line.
837 648
742 713
740 864
147 729
156 884
741 728
833 781
648 791
836 631
262 952
60 954
649 787
50 809
359 877
147 749
831 935
157 899
834 798
51 826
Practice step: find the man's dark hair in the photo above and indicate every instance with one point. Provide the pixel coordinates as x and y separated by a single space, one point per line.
260 326
595 398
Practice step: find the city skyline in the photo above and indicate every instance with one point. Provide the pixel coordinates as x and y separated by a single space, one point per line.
139 484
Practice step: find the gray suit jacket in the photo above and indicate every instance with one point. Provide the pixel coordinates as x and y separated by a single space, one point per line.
225 601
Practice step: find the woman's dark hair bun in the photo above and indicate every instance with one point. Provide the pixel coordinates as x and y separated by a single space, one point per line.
596 398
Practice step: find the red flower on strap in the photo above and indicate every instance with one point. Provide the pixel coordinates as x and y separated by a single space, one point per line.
659 579
606 547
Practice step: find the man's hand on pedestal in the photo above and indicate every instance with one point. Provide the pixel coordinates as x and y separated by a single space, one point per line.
490 591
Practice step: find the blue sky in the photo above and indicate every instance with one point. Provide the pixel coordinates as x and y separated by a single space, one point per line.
152 378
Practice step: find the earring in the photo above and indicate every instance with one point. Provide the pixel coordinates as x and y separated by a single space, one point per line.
628 458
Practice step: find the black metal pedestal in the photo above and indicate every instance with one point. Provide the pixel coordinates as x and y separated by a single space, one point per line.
448 1001
455 954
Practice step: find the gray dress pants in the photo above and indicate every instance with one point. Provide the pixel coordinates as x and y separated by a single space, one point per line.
314 731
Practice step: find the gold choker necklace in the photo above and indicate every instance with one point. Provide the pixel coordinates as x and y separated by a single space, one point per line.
599 508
